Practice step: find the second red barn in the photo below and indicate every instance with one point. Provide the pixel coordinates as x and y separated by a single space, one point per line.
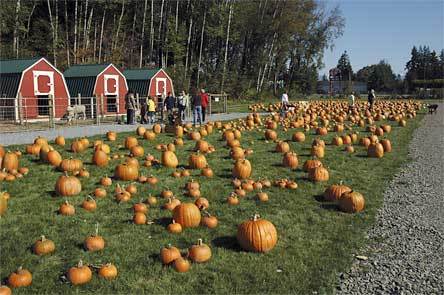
95 80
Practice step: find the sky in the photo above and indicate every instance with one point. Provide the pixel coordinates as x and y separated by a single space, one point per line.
386 29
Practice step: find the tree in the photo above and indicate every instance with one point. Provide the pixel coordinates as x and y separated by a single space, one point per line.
381 77
345 67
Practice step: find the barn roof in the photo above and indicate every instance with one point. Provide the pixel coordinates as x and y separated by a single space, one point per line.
81 85
139 79
10 74
90 70
16 66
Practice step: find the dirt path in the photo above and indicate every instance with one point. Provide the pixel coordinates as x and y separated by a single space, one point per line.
406 245
26 137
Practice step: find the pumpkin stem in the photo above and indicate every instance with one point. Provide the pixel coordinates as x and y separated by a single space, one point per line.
80 264
97 229
256 217
199 242
42 238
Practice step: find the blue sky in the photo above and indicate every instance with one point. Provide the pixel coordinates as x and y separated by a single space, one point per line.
386 29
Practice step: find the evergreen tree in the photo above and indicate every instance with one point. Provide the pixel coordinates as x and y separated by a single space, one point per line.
345 67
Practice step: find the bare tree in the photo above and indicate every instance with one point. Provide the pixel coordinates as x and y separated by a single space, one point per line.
118 25
28 26
75 31
132 36
101 35
201 46
152 30
177 16
56 29
160 29
67 34
142 34
88 28
95 41
226 48
15 45
188 50
51 22
85 21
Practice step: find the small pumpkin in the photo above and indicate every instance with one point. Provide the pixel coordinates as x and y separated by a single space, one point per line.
79 274
139 218
202 203
209 221
108 271
43 246
67 209
168 254
290 160
89 204
200 252
68 185
100 192
20 278
334 192
242 169
130 141
106 181
197 161
126 172
94 242
169 159
318 174
174 227
181 264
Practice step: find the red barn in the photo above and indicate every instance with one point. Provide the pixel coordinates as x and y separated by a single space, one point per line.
149 82
93 80
36 80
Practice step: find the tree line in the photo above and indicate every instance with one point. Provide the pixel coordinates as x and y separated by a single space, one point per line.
424 69
241 47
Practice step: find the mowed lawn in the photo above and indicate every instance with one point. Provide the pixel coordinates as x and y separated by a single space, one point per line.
315 240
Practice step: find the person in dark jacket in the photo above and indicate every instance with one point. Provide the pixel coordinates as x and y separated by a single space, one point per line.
197 108
130 105
160 105
143 110
170 103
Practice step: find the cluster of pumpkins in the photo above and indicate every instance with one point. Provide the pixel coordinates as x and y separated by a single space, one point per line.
10 169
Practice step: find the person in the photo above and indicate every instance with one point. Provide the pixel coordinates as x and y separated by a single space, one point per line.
197 108
170 102
161 105
182 101
371 99
204 99
143 110
351 102
151 110
284 103
130 105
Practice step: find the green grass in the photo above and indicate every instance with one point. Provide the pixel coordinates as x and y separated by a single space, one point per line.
315 240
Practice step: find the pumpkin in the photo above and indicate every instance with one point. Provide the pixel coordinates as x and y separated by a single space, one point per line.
185 173
77 146
365 141
350 149
195 135
233 200
151 200
137 151
311 164
139 218
2 151
375 150
242 169
178 131
152 180
140 207
334 192
270 134
257 235
194 193
171 204
282 147
43 154
33 149
40 141
106 181
80 274
207 172
3 203
200 252
202 146
166 194
108 271
149 135
67 209
20 278
169 159
317 151
111 135
318 174
197 161
5 290
130 141
202 203
122 196
157 128
126 172
71 165
337 141
181 264
386 144
10 162
94 242
68 185
168 254
174 227
43 246
209 221
187 215
178 141
100 192
352 202
89 204
263 197
59 140
54 158
237 153
298 137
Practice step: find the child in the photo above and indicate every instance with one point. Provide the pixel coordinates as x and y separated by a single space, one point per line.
151 110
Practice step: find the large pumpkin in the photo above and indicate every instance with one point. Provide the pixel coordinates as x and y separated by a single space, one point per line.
10 162
257 235
197 161
242 169
311 164
169 159
334 192
71 165
54 158
100 158
352 202
187 215
126 172
68 185
290 160
386 144
375 150
318 174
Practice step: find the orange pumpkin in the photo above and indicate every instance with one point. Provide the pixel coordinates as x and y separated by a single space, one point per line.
352 202
200 252
257 235
187 215
80 274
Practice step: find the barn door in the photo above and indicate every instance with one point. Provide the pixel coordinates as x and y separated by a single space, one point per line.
161 86
111 91
43 88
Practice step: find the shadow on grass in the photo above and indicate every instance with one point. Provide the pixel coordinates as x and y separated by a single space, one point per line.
227 242
330 206
163 221
320 198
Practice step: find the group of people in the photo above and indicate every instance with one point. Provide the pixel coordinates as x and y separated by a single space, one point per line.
370 98
167 103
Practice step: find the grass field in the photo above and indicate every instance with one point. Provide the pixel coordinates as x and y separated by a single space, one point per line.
315 240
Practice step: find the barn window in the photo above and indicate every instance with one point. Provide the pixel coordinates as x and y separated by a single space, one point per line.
111 103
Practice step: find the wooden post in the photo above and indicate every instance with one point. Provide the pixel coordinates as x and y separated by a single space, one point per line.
91 101
51 110
209 115
19 110
225 103
79 99
101 106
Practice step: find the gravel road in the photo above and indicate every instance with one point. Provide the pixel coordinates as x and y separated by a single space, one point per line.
406 252
90 130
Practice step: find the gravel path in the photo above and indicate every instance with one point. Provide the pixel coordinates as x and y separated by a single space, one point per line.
90 130
409 259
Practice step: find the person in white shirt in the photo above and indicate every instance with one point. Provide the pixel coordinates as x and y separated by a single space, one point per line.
284 104
351 102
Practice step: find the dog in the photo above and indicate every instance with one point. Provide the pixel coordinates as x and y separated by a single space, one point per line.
73 112
432 108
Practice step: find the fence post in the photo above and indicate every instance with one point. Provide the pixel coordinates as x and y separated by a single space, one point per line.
51 110
102 109
225 103
211 109
19 108
79 99
91 102
96 105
